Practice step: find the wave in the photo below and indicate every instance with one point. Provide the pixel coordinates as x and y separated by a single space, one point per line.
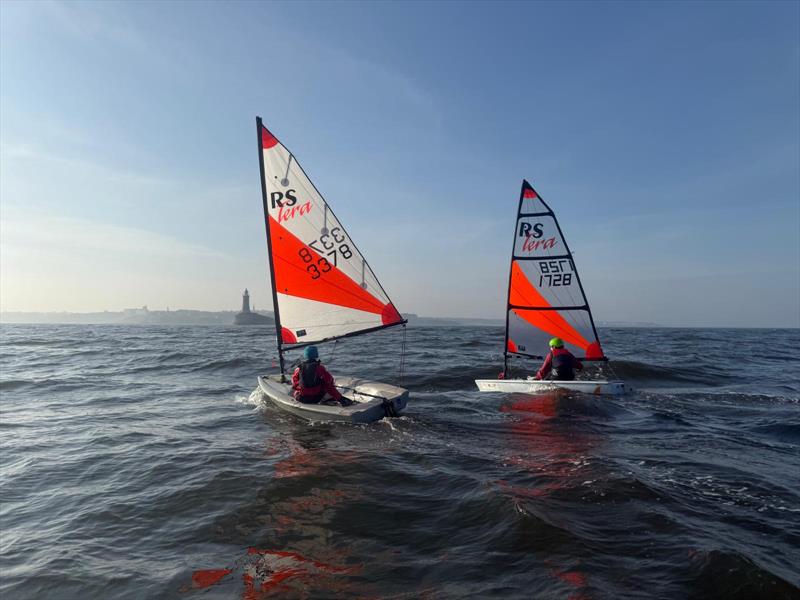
462 378
218 365
9 385
51 343
643 373
451 379
166 357
727 574
51 384
788 433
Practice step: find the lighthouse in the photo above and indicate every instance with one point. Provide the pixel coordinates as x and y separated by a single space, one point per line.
248 317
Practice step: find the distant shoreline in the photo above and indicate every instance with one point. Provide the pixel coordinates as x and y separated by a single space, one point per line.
134 316
144 316
183 317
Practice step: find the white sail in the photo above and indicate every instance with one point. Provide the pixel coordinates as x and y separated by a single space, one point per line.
323 287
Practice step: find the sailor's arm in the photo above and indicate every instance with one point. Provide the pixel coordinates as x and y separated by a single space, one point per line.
330 388
296 379
545 367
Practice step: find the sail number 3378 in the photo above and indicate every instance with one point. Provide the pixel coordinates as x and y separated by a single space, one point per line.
328 246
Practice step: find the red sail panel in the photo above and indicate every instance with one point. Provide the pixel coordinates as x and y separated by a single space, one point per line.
522 292
310 279
530 202
267 139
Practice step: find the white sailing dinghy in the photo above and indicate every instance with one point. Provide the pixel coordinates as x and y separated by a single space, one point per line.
545 300
322 287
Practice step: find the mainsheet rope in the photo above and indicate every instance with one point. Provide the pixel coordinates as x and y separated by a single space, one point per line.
333 352
402 358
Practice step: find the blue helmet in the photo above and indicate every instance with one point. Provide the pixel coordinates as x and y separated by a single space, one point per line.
311 353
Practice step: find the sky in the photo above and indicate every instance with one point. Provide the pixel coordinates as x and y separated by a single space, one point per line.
665 136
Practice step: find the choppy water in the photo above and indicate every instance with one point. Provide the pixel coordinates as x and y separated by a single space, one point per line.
138 462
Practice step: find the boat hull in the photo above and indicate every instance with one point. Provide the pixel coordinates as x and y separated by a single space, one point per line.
366 408
533 386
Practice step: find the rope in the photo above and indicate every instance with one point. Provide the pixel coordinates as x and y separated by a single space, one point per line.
389 409
611 370
402 358
344 387
333 352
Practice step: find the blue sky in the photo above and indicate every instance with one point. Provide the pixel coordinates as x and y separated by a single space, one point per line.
666 136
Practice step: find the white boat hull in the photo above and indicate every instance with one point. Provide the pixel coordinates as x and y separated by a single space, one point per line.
533 386
390 400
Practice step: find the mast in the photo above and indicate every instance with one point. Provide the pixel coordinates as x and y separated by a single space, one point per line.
510 267
275 309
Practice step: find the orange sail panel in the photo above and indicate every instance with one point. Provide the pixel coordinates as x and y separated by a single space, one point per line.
314 279
524 294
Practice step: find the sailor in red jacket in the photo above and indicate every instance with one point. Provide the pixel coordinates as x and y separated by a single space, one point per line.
559 364
311 382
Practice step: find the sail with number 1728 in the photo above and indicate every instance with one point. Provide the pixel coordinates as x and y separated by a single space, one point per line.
546 299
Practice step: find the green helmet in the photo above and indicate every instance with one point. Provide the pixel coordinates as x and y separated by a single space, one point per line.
556 343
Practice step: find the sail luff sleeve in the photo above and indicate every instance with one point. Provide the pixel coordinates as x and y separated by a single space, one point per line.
275 306
506 347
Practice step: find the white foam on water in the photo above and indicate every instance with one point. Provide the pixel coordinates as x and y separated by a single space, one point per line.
254 399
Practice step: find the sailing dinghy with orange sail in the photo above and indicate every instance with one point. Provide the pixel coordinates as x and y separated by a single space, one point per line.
545 300
322 287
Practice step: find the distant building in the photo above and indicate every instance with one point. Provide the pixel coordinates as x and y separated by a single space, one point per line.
247 317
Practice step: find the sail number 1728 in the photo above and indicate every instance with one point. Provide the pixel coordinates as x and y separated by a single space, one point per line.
555 273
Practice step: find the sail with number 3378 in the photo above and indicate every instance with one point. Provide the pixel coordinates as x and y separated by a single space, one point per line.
323 289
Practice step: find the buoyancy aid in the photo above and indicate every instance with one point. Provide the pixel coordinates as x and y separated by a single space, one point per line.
563 364
311 383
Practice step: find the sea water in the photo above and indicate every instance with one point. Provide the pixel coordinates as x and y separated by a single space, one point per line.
141 462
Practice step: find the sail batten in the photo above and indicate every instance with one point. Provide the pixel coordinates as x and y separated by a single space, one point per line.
545 296
323 287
